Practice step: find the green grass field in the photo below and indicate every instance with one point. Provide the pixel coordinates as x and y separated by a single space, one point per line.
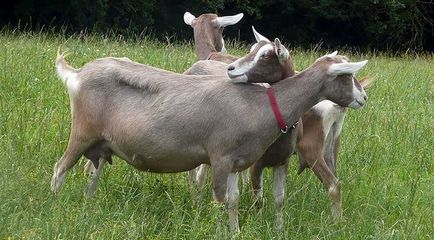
386 158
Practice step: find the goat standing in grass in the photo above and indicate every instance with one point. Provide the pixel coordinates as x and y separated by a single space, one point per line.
317 147
164 122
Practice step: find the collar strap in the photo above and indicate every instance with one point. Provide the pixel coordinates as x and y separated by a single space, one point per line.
282 125
272 97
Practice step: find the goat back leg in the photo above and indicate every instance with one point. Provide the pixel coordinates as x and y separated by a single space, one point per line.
245 179
76 148
256 178
201 174
192 177
94 179
331 183
197 179
279 179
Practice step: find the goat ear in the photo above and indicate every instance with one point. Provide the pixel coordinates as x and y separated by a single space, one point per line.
366 82
258 36
331 54
281 52
345 68
189 18
229 20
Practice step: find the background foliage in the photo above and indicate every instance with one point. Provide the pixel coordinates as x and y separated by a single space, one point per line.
372 24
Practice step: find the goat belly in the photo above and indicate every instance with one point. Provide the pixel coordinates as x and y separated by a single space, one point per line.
161 165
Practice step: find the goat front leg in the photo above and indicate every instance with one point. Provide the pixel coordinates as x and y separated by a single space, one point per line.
331 183
256 179
221 176
233 198
279 179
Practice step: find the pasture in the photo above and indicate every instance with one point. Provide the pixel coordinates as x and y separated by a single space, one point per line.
385 163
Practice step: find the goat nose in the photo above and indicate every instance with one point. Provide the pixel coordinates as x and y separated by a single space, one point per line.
231 67
365 97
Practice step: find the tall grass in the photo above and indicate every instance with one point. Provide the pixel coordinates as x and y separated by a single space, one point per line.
386 159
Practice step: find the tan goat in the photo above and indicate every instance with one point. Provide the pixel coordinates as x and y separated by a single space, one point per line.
164 122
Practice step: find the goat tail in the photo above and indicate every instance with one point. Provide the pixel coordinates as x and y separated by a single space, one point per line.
67 74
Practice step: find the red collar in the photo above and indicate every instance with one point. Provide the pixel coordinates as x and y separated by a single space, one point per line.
277 114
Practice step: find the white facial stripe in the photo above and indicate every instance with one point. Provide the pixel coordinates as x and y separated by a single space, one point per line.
239 72
263 50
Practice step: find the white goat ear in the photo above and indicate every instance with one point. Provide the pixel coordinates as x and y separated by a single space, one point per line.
331 54
346 68
258 36
189 18
229 20
281 52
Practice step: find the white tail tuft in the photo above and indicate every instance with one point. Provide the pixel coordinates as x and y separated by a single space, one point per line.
67 74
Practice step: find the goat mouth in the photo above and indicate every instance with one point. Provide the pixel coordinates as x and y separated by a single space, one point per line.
356 104
360 103
235 75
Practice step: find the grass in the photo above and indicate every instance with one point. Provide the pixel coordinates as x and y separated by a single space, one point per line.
386 158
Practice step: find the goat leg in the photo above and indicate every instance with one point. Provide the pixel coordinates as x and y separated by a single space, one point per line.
76 148
279 179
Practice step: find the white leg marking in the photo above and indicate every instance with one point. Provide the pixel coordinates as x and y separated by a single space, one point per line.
335 194
201 174
245 178
279 177
58 178
233 197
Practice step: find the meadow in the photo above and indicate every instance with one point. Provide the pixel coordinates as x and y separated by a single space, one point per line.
385 166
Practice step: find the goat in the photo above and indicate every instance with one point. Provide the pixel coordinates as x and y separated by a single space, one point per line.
213 59
164 122
208 35
317 145
208 30
322 131
276 66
